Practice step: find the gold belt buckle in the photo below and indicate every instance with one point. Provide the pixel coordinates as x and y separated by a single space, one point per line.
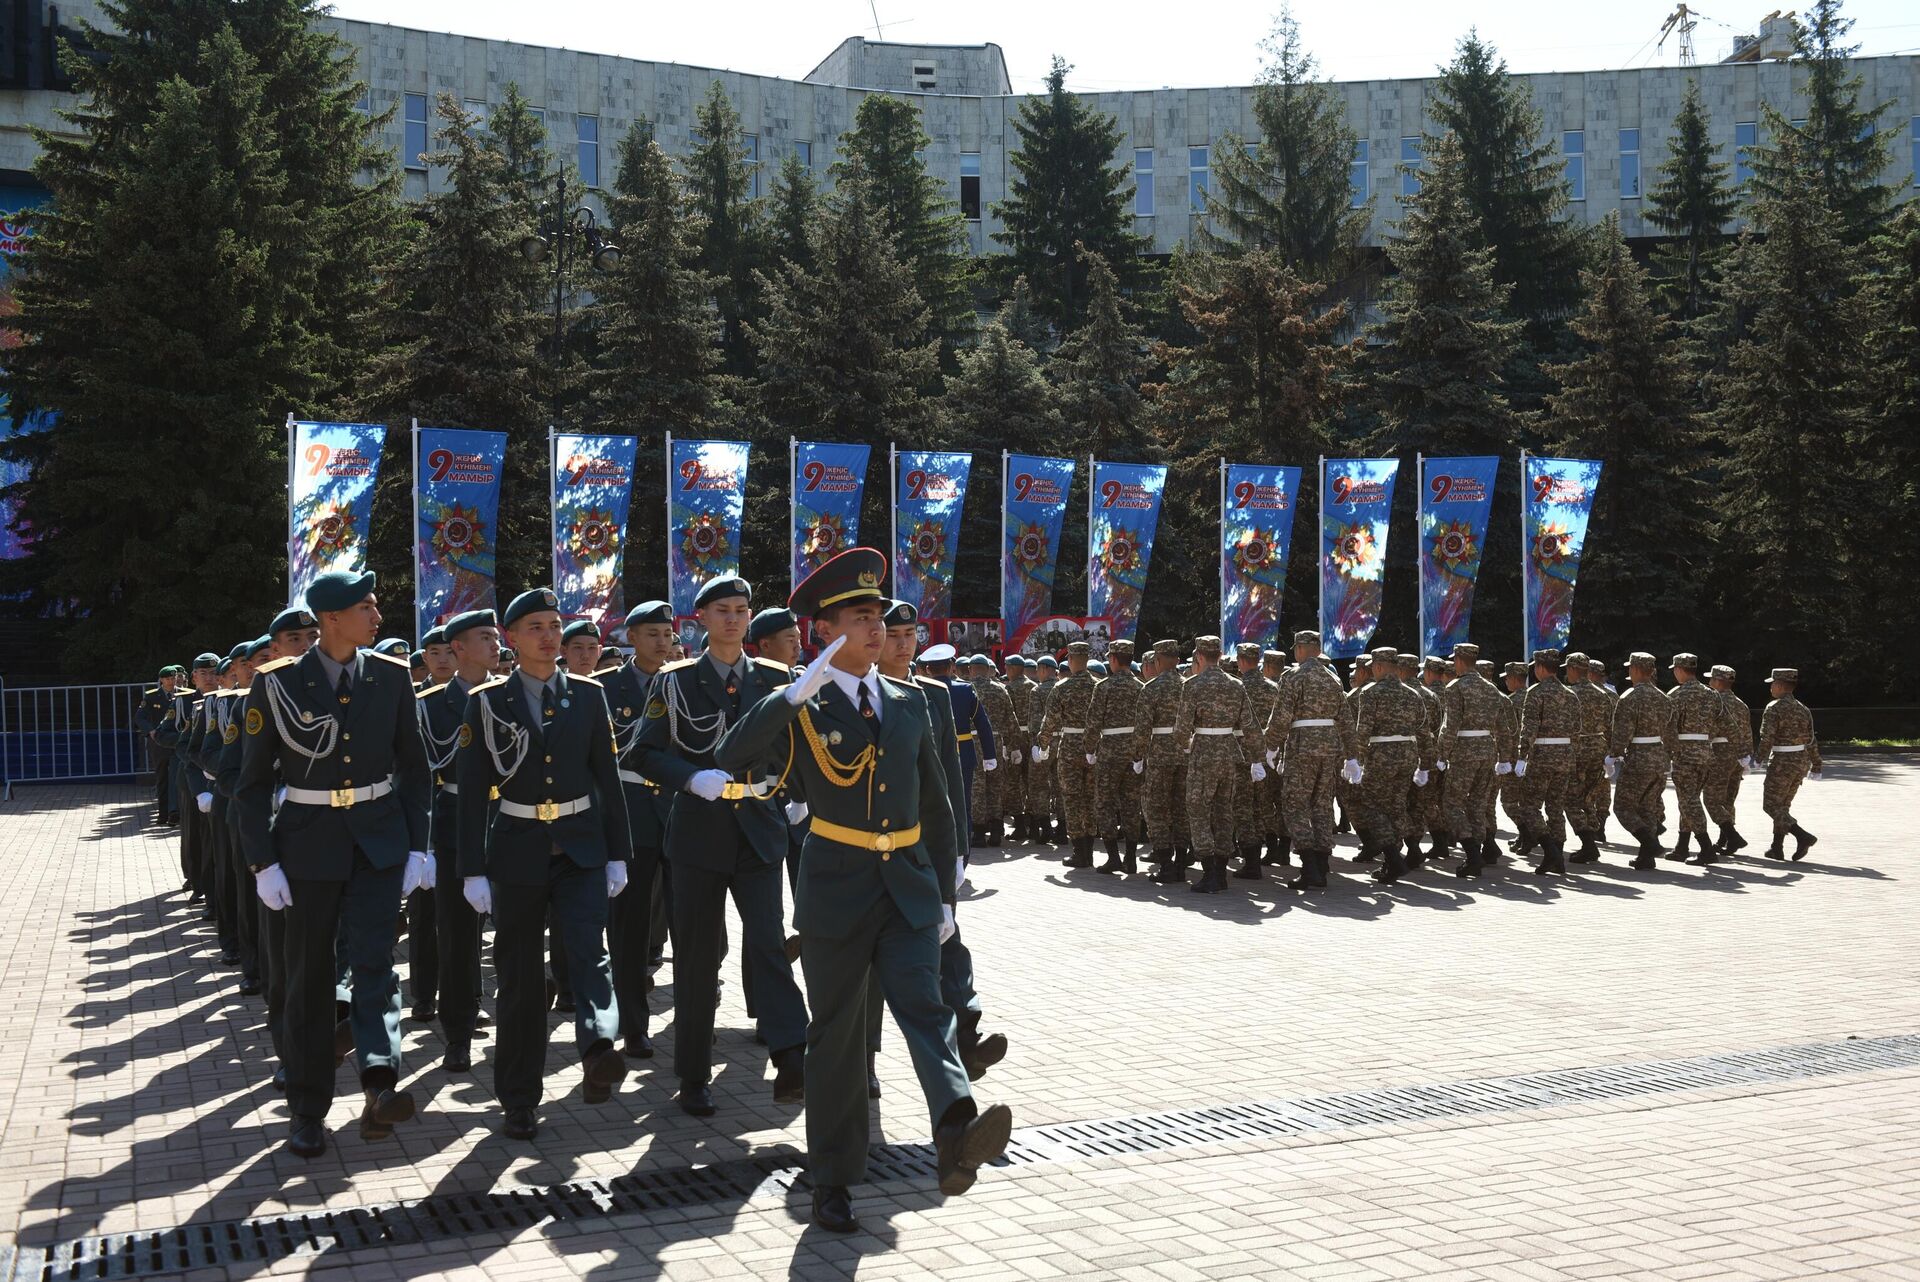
340 798
883 841
733 792
546 811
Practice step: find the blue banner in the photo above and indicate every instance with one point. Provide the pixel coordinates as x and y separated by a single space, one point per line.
1126 512
1033 503
592 493
1558 493
1256 528
457 495
828 482
1456 496
706 502
332 468
928 493
1356 503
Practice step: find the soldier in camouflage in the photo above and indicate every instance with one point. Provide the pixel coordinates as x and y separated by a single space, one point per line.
1732 754
1515 794
1489 672
1790 753
1063 736
1153 724
1025 697
1642 744
1043 793
1476 741
1253 820
1273 666
1425 806
988 790
1395 752
1216 734
1549 720
1588 794
1111 734
1308 737
1346 793
1694 712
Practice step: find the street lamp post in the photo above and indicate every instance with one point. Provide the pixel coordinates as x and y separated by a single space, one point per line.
559 229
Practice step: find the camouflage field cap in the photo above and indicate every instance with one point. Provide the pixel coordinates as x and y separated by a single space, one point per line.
1721 672
1641 659
1384 654
1208 645
1167 649
1120 649
1485 667
1467 650
1789 675
1597 666
1576 659
1549 657
1515 668
1078 650
1247 650
1306 636
1406 660
1685 662
1434 663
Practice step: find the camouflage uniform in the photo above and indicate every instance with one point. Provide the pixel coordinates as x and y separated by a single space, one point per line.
1549 721
1516 793
1043 797
1476 734
1254 821
1426 807
1642 742
1390 733
1153 722
1589 797
1491 675
1348 794
1028 703
988 790
1695 709
1216 735
1311 730
1732 749
1064 735
1790 752
1111 736
1274 668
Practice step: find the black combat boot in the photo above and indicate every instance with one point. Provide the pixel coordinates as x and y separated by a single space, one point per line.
1731 840
1709 851
1774 851
1343 823
1308 866
1416 857
1169 872
995 831
1368 850
1802 842
1552 860
1648 858
1322 868
1679 850
1442 846
1490 852
1112 863
1249 869
1279 851
1589 851
1206 885
1131 865
1393 864
1471 865
1082 856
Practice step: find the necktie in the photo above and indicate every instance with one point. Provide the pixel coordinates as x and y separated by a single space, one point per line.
866 708
546 709
733 690
345 688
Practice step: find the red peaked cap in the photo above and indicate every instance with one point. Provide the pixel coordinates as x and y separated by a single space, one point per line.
858 574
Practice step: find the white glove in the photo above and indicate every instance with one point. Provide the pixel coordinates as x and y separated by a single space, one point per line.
960 881
616 877
1351 771
1039 755
1420 778
709 784
1089 758
1273 757
1439 765
479 894
1519 770
1503 767
818 673
1258 771
204 803
947 926
1015 754
1758 768
1813 774
419 874
1139 767
1746 763
280 796
989 765
270 883
1612 767
796 811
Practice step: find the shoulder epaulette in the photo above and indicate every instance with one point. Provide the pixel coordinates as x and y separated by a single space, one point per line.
932 683
585 681
424 691
276 664
145 693
393 659
896 681
678 664
488 684
781 668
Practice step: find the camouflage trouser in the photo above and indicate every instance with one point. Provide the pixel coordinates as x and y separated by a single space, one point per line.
1037 788
1212 781
1637 800
1075 778
1723 786
1253 813
1491 815
1380 808
1516 798
1307 784
1277 802
1549 783
1469 775
1690 762
1116 792
1011 780
1587 795
1785 770
986 794
1182 824
1160 802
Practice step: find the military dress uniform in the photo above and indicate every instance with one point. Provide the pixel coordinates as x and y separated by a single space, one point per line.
1695 709
1476 736
1549 722
1063 735
217 717
342 741
876 888
1154 717
1309 736
1255 821
156 706
1642 745
1216 735
1789 751
1732 751
1112 735
1395 753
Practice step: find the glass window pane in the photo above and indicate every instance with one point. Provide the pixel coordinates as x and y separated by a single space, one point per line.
1746 133
1197 161
804 151
1143 157
589 150
414 145
1574 144
1357 175
1143 182
1629 140
1409 155
1629 175
970 185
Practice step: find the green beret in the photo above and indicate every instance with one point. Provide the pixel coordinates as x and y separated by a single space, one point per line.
532 601
900 613
396 647
649 612
339 590
259 646
292 619
579 628
433 636
727 585
206 659
1098 668
463 622
239 651
773 619
224 666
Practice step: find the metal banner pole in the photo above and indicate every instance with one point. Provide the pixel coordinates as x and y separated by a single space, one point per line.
1093 470
1221 552
1003 547
553 515
1420 549
292 434
415 534
1319 558
1525 654
793 512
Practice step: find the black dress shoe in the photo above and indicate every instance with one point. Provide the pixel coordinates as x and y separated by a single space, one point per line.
565 1003
790 1077
425 1013
833 1209
637 1047
603 1070
520 1124
793 949
251 988
385 1107
962 1148
342 1042
458 1059
279 1080
873 1076
307 1138
481 1020
696 1101
983 1055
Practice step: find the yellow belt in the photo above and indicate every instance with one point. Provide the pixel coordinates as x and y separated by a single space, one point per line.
966 738
863 840
736 791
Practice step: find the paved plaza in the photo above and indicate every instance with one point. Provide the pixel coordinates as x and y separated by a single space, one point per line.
1674 1074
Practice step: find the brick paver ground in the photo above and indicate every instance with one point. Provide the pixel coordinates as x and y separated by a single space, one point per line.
134 1097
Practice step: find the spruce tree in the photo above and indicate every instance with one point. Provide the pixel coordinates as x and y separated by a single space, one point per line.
463 351
1692 204
1627 400
1066 191
793 203
1292 195
520 136
211 260
1793 393
734 245
928 233
1018 317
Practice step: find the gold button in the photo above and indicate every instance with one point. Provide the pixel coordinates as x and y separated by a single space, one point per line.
879 752
883 787
346 783
884 856
347 760
549 778
884 823
549 760
346 736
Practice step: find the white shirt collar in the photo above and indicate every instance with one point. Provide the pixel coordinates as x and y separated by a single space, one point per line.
850 686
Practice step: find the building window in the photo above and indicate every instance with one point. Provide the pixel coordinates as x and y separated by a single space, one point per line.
1409 167
1746 134
1357 174
803 152
478 110
970 186
1197 179
1573 145
589 134
1916 151
1629 164
750 149
413 149
923 77
1143 178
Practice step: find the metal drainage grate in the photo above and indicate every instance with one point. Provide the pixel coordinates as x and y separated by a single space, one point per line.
772 1176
